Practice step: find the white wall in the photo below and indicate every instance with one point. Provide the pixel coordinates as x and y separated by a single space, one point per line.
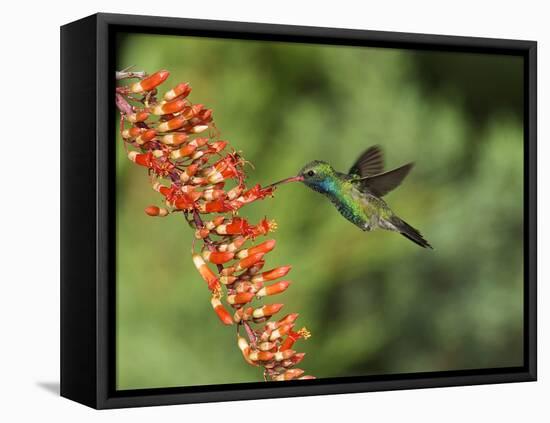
29 287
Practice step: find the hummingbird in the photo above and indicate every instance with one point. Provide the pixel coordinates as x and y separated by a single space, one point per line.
357 195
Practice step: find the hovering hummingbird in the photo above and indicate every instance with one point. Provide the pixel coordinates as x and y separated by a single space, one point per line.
358 194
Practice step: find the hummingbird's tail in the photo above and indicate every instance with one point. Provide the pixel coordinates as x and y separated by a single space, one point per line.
409 232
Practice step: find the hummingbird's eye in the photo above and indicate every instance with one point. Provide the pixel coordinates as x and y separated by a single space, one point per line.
311 173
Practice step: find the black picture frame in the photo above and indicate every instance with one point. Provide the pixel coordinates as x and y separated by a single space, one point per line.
88 200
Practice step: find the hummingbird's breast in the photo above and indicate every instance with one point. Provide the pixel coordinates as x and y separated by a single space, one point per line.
358 207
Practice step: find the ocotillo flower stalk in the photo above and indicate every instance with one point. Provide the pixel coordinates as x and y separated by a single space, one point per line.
191 178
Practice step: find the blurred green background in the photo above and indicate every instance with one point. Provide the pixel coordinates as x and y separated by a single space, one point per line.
375 302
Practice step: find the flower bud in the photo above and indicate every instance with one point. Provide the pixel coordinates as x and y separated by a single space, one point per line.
180 90
189 172
248 261
213 194
264 247
169 107
289 375
255 269
243 313
279 332
215 206
227 280
220 311
147 84
288 319
205 115
242 298
266 346
199 128
283 355
211 224
137 117
297 358
217 257
202 233
172 124
245 349
235 192
156 211
270 275
260 355
205 272
146 136
174 139
132 132
183 152
267 310
234 245
276 288
216 146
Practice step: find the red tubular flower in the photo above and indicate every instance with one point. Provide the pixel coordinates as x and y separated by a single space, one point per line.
210 278
169 107
232 246
270 275
150 82
183 152
237 226
267 346
141 159
172 124
276 288
289 375
137 117
217 257
264 247
205 115
174 139
288 319
132 132
227 280
191 172
180 90
156 211
249 261
279 332
260 356
245 349
293 337
242 298
214 206
202 233
145 136
267 310
220 311
263 228
243 314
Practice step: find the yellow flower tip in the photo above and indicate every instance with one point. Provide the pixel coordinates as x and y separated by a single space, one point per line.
272 225
304 333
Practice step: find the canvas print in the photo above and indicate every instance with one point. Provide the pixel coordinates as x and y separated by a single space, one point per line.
292 211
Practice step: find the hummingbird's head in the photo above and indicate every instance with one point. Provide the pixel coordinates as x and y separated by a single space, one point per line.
317 175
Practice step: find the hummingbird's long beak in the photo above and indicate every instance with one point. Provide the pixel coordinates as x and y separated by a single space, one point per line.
298 178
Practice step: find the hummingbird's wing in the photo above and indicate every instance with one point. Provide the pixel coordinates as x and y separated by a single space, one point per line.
371 162
383 183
